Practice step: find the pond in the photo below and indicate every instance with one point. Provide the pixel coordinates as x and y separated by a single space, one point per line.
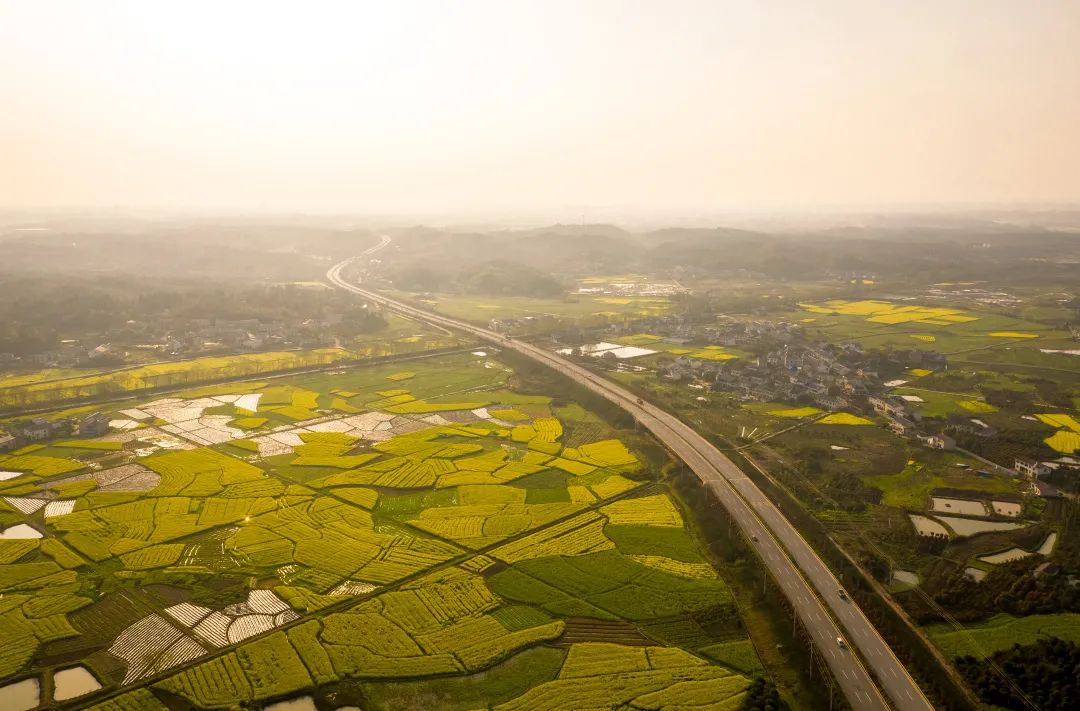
1005 556
905 577
73 682
969 527
1047 546
928 526
1006 508
975 574
21 695
21 530
967 507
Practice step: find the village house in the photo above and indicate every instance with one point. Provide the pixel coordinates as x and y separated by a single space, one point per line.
1032 470
103 351
1044 490
39 429
830 402
94 425
937 441
890 407
902 426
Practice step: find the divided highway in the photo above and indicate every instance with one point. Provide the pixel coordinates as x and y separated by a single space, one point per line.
805 580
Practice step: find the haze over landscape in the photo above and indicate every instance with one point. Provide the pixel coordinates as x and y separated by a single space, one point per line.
540 356
560 109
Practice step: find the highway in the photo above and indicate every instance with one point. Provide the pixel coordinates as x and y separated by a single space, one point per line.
813 592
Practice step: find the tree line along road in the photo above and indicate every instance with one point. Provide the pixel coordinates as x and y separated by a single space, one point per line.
849 643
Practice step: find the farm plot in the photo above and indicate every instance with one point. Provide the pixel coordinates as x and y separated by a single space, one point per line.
964 507
1002 631
143 643
1006 508
970 527
671 543
371 426
39 465
1006 556
599 675
154 644
445 618
92 444
333 542
796 412
1065 440
576 536
196 490
127 477
36 600
322 523
441 623
656 510
928 527
934 403
186 419
914 486
605 453
883 312
488 514
607 585
656 343
844 418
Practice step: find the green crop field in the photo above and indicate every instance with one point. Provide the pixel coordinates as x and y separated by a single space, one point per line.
960 333
425 530
1003 631
910 488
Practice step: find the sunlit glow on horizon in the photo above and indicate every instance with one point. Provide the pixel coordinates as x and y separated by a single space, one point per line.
379 106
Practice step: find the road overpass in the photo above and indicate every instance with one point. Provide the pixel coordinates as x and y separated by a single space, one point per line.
808 584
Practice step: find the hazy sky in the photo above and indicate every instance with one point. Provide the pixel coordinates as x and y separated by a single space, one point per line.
496 106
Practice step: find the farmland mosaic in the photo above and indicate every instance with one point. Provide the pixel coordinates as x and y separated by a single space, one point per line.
331 533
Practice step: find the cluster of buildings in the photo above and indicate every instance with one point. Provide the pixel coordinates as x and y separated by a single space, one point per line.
198 337
1036 473
513 325
40 429
239 334
830 377
790 368
631 288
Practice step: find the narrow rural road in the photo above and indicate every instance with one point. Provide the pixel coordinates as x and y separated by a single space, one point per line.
813 592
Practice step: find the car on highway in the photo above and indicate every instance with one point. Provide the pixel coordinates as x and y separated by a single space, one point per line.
754 539
841 643
842 593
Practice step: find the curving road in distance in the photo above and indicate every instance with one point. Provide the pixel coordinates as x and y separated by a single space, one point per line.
836 625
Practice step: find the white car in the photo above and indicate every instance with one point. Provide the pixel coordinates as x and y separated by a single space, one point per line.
841 643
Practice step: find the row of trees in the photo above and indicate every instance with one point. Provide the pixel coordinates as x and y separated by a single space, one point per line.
39 314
